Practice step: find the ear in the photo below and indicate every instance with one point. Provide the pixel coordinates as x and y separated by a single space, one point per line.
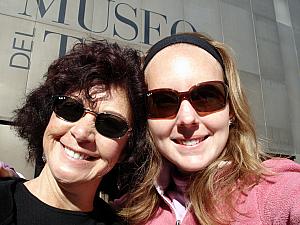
231 118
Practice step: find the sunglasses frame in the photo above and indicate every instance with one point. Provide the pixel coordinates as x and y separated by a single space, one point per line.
186 95
85 111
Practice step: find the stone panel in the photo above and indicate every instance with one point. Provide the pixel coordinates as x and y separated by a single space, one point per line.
263 8
282 12
53 41
294 6
15 53
243 4
160 17
277 117
252 85
121 20
205 16
292 79
239 34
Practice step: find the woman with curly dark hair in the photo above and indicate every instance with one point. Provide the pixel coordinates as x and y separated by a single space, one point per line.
81 119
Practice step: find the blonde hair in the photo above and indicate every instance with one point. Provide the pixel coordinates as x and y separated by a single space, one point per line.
212 191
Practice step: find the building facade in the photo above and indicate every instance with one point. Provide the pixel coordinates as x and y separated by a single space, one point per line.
264 34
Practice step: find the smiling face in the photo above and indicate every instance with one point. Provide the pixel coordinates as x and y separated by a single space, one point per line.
189 141
75 151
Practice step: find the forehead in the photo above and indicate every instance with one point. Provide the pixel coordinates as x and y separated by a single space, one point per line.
111 96
180 66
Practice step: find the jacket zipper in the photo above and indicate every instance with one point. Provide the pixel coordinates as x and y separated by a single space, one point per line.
177 222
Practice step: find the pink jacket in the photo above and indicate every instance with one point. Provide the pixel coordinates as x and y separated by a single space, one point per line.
275 201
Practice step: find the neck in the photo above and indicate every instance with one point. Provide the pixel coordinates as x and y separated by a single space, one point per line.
74 197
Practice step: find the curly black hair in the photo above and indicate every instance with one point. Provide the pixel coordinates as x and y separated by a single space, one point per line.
86 65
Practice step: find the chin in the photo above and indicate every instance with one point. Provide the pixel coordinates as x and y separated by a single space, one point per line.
189 169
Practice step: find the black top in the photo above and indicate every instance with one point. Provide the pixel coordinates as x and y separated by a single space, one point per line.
19 207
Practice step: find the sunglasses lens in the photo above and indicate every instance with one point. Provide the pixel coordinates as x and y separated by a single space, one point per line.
111 126
67 108
208 97
162 104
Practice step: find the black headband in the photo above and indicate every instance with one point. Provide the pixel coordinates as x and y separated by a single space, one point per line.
183 38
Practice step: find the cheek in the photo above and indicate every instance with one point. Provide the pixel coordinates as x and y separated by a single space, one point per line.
57 126
159 128
110 150
218 125
55 129
218 120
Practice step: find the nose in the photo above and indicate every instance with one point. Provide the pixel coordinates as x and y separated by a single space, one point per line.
83 130
186 115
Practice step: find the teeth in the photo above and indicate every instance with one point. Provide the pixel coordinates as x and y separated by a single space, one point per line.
75 155
190 142
69 152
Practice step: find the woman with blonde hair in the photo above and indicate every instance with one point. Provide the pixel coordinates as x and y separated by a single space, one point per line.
205 165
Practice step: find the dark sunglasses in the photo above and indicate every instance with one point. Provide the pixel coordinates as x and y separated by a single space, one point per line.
206 98
107 124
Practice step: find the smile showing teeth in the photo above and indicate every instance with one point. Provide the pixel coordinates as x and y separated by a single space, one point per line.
75 155
190 142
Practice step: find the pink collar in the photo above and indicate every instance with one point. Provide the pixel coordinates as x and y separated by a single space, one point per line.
172 183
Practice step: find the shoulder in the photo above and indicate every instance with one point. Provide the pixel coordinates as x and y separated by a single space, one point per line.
284 178
279 165
278 195
7 189
106 213
285 174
